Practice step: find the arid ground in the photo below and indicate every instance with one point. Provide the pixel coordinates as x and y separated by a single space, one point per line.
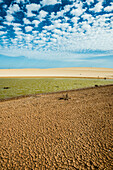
48 132
86 72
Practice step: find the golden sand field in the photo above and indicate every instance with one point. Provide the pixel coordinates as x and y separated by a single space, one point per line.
48 132
59 72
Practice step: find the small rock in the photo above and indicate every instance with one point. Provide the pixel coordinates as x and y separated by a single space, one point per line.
6 87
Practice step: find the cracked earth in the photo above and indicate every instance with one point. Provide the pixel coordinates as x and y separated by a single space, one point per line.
43 132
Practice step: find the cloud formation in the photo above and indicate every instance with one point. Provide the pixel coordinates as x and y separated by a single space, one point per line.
60 27
30 8
49 2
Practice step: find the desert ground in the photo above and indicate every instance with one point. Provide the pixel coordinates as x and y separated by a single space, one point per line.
59 72
46 131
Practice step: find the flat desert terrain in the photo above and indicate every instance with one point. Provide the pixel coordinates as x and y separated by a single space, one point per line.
48 132
59 72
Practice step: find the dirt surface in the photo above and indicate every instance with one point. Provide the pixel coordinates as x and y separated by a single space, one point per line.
48 132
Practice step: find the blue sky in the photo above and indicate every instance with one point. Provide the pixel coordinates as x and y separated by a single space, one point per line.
56 33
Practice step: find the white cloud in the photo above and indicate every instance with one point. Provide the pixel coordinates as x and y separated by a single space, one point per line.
28 38
60 13
52 16
1 27
28 28
88 17
109 8
17 29
74 20
35 33
100 21
53 40
32 7
86 26
36 41
9 18
14 41
97 8
2 32
50 27
16 24
19 33
35 22
67 8
108 15
7 23
5 42
78 10
89 2
42 15
56 22
26 21
19 37
18 1
64 26
13 8
50 2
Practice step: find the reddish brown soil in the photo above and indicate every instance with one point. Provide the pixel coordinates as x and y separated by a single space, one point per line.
43 132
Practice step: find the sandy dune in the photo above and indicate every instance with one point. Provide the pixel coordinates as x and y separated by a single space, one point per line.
59 72
42 132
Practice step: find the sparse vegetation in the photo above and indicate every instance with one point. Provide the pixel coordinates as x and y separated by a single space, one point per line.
65 97
11 87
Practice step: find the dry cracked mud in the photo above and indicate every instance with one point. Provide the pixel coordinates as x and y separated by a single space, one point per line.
42 132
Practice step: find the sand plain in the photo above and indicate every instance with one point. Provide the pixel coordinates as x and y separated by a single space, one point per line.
81 72
47 132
